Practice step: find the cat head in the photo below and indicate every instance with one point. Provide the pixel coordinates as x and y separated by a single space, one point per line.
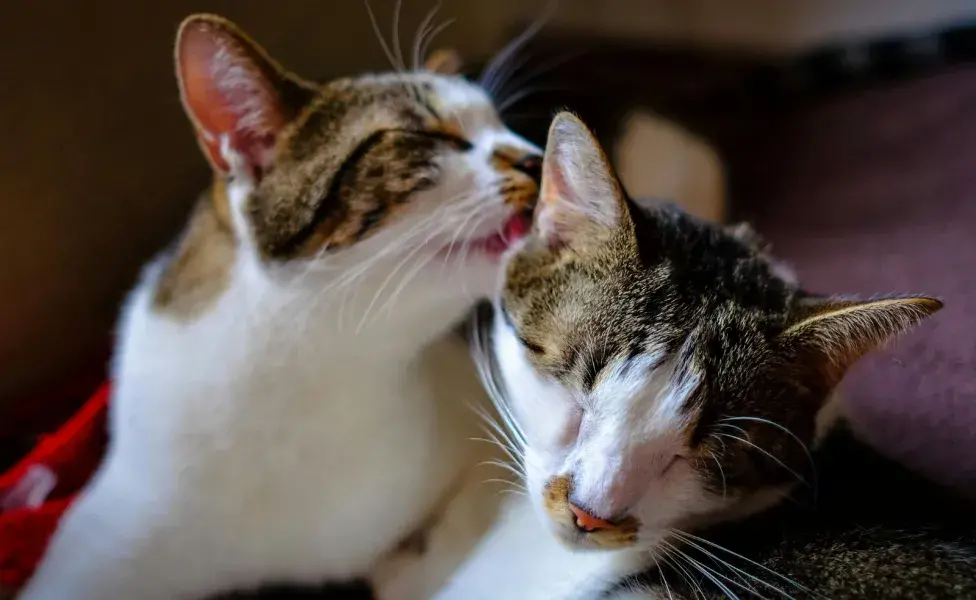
411 169
657 371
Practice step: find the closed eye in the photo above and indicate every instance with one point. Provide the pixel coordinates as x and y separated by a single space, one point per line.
531 346
456 141
671 464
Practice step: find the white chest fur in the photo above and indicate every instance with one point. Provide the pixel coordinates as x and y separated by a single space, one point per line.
263 442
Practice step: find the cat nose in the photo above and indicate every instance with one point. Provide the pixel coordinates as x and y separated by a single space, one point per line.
586 521
531 165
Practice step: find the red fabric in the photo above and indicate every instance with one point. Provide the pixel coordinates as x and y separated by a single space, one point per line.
72 452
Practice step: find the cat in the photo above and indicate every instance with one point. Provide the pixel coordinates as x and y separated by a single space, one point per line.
288 401
669 393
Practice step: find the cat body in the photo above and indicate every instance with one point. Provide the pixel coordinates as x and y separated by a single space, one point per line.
288 404
668 392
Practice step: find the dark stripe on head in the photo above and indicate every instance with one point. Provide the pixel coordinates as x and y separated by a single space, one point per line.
330 204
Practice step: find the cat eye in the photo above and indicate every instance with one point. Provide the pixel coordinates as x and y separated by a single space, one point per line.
456 141
532 347
672 463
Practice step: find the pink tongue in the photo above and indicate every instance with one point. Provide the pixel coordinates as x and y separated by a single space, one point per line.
495 245
516 228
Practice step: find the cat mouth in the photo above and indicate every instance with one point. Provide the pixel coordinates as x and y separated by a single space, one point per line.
512 230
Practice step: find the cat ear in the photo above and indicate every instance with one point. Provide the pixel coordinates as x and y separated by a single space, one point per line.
237 97
580 194
831 334
444 62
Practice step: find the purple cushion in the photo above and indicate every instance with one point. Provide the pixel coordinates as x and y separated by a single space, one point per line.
875 192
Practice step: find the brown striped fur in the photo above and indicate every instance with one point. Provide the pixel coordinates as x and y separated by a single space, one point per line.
347 158
622 310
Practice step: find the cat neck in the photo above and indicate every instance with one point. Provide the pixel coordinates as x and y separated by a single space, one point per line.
359 314
215 281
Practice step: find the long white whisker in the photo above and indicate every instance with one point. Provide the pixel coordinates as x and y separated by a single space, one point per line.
687 576
725 449
795 584
522 95
806 449
482 357
433 35
379 36
514 487
397 50
736 427
506 440
392 274
767 453
735 569
499 429
489 75
418 38
506 449
457 232
663 578
503 465
437 227
721 471
704 571
536 74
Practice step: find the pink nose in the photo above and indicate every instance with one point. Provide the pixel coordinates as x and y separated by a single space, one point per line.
588 522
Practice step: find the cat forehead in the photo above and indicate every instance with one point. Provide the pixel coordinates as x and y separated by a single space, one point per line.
352 108
680 273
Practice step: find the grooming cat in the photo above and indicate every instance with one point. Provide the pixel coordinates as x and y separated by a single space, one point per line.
661 380
287 405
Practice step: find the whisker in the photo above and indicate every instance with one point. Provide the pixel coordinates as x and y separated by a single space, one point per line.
544 69
696 586
768 454
514 487
721 471
736 427
502 465
528 93
433 35
504 74
379 36
704 571
379 292
487 372
437 226
499 429
663 578
398 51
508 452
487 79
496 428
796 438
732 567
421 33
725 449
795 584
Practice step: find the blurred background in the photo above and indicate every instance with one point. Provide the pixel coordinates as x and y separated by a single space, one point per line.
847 128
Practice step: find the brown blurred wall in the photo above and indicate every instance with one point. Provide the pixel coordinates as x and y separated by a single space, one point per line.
99 167
98 164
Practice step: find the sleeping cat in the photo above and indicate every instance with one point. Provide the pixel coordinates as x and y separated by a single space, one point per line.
287 406
669 394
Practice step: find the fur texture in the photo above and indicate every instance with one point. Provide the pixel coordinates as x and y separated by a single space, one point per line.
288 405
666 385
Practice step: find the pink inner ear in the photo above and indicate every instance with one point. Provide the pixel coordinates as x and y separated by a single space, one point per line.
227 94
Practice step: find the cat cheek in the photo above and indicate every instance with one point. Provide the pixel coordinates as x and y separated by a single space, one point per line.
571 428
555 427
